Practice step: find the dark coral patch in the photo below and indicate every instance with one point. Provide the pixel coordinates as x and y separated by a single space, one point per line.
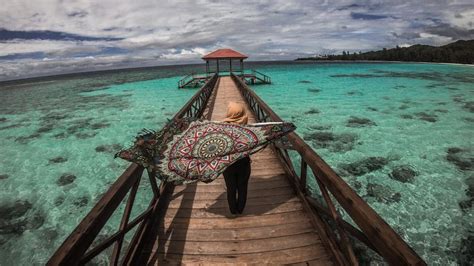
352 93
58 160
111 148
65 179
62 135
465 254
365 166
467 203
458 99
312 111
462 158
304 81
45 128
359 122
59 201
26 139
85 135
403 173
4 176
81 201
314 90
53 117
79 125
320 127
99 125
11 126
334 142
469 106
14 218
427 117
382 193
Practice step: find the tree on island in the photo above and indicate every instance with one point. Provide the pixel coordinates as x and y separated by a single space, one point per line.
457 52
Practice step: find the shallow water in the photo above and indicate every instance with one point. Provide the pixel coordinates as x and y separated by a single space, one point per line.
404 115
69 127
58 137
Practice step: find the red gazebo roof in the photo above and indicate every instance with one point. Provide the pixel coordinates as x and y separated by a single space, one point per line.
224 54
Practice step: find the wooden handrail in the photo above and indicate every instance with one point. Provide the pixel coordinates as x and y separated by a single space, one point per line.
266 78
77 243
73 250
182 81
387 242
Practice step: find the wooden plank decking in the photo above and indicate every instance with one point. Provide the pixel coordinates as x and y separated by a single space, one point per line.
273 228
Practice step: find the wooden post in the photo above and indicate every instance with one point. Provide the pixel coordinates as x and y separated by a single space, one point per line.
304 170
242 67
207 67
217 67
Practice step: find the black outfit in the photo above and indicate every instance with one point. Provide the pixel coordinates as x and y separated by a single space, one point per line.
236 179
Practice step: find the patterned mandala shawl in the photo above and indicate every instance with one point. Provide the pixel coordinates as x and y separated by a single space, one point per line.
187 151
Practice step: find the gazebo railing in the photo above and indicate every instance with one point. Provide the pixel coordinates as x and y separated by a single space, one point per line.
374 231
261 76
76 248
186 80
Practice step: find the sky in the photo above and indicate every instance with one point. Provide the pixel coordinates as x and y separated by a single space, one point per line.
45 37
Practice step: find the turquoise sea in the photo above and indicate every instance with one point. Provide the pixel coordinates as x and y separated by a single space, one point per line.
401 134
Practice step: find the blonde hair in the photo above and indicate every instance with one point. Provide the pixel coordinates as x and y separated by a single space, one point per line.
236 113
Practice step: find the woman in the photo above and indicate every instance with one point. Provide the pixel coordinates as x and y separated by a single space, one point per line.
237 175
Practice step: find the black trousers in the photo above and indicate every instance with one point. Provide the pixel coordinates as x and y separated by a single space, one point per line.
237 179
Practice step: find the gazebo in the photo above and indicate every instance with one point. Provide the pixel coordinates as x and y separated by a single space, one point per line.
216 57
224 54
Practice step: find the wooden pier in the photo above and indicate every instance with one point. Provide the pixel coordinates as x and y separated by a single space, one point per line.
272 229
282 223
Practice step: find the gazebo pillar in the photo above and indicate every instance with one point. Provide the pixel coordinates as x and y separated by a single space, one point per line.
230 65
218 67
241 66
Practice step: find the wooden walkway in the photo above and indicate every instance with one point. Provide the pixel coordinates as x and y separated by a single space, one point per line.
274 228
281 223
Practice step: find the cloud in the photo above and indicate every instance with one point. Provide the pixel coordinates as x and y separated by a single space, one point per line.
7 35
78 13
54 36
454 32
31 55
355 15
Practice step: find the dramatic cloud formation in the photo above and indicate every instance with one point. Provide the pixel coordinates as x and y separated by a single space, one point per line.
54 36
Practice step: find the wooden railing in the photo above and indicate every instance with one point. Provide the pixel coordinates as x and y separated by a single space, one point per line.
185 80
261 76
374 231
76 249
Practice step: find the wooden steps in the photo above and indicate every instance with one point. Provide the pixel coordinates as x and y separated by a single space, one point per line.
198 228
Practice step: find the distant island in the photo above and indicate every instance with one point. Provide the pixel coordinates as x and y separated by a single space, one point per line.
461 52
